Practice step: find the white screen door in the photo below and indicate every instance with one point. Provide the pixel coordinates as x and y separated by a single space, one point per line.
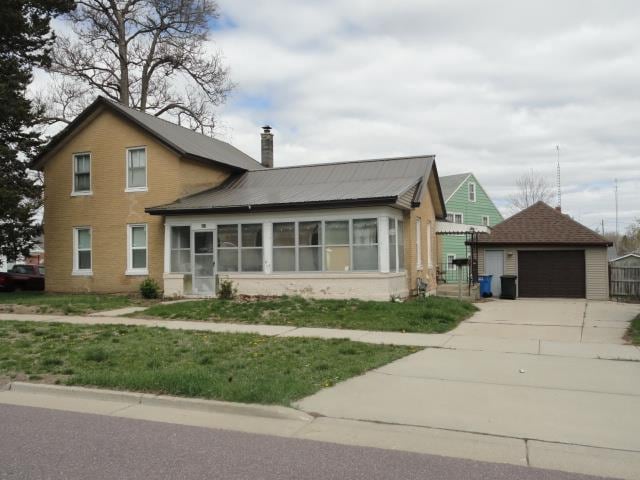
204 271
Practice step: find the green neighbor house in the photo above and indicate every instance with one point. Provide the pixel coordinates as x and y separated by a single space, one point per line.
468 205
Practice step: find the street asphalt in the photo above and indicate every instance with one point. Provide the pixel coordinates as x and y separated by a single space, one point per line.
38 443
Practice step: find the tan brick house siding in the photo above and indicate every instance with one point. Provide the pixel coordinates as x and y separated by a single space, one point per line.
426 213
596 266
109 209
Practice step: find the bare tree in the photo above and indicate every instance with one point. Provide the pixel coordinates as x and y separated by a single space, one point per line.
531 187
147 54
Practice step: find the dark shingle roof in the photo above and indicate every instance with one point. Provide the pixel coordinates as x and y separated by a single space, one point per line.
450 183
382 180
182 140
541 224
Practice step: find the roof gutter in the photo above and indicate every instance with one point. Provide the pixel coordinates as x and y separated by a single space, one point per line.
273 206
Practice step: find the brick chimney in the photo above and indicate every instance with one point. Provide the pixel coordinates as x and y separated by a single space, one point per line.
266 144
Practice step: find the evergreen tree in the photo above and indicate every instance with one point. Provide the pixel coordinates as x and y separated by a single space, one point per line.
25 42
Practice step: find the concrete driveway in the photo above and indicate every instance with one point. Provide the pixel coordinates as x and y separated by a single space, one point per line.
518 370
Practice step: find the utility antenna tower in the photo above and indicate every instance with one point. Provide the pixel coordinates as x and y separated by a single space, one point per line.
558 178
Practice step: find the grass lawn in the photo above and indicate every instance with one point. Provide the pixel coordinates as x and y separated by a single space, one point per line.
69 304
633 333
431 315
232 367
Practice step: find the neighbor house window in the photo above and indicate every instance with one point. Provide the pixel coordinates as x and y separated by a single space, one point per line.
82 173
228 248
137 169
180 249
450 258
82 251
365 244
137 249
485 220
472 192
284 247
418 244
455 218
337 249
310 246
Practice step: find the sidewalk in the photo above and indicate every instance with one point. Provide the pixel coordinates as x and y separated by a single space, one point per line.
452 340
292 423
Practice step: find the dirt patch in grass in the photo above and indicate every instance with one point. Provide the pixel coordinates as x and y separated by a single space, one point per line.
232 367
67 304
431 315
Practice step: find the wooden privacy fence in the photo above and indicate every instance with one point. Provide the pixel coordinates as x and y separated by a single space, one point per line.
624 281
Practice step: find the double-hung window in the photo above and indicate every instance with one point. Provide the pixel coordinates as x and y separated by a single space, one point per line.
82 251
337 256
365 244
284 247
396 245
472 192
82 174
485 220
136 169
310 246
137 250
180 249
240 248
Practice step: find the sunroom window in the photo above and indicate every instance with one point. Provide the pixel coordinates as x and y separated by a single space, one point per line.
181 249
365 244
337 247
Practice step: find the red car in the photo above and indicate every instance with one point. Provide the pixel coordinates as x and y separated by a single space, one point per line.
23 277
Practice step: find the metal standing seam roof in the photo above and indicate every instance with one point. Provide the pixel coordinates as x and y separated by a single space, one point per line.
184 141
381 180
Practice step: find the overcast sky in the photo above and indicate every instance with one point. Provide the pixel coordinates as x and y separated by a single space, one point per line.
489 87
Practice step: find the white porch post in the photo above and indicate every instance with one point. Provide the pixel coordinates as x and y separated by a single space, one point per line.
383 244
267 246
167 248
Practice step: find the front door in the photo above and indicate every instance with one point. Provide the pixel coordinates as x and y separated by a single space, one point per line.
204 271
494 265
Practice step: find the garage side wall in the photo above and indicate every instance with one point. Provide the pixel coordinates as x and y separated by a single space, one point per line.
597 273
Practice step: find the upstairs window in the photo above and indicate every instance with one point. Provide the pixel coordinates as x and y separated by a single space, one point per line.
137 169
455 218
82 173
472 192
485 220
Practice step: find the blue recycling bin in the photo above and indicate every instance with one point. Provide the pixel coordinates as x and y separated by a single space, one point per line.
485 285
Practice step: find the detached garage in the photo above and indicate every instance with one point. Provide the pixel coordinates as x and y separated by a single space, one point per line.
551 254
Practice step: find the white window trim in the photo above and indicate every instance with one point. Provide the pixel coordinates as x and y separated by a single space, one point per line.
453 217
77 272
451 256
171 250
475 192
137 271
146 170
418 244
488 224
81 193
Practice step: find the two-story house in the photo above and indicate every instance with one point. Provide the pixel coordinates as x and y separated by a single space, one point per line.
130 196
467 204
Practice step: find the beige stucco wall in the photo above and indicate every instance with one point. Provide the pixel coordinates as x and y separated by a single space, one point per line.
109 209
426 213
596 266
365 286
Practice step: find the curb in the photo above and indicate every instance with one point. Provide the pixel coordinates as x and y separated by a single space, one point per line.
190 404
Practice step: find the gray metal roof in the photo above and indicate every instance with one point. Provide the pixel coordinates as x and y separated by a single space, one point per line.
449 183
382 180
184 141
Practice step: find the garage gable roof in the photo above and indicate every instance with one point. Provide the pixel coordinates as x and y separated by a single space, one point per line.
541 224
